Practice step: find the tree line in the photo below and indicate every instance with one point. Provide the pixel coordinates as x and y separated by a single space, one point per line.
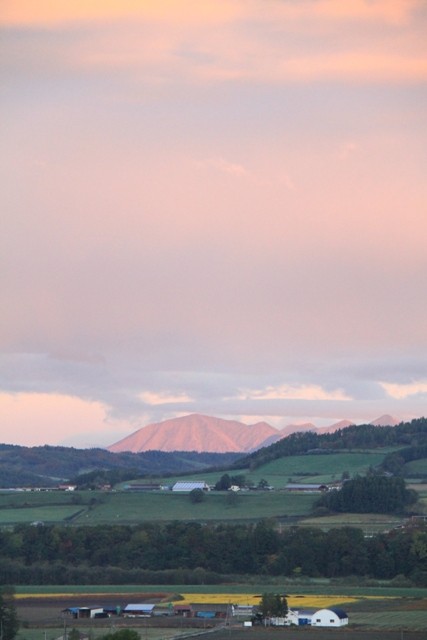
184 553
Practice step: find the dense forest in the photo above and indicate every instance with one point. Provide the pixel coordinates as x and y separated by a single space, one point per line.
370 494
192 553
411 435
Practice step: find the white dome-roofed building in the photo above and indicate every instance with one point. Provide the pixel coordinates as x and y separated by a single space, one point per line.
333 617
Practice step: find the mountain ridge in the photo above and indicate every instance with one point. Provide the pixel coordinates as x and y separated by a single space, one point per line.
201 433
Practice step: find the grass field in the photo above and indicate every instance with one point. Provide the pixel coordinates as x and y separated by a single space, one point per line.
141 507
53 514
132 508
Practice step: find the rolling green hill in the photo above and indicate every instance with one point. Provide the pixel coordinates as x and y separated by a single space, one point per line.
47 465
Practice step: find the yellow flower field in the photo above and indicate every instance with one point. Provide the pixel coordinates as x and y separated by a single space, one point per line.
294 601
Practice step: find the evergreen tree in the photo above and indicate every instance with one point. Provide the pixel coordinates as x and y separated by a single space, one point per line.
224 483
273 605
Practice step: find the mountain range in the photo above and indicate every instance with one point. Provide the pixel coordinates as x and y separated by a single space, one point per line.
198 432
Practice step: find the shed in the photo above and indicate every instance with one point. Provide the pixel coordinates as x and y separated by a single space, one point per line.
304 616
138 610
183 610
306 488
89 612
202 610
243 610
333 617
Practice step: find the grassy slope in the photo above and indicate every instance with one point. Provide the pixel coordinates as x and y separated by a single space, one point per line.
306 468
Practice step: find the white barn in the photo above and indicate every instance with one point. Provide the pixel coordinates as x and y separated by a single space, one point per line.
332 617
189 486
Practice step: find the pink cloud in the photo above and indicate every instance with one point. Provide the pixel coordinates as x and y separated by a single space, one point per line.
34 419
210 42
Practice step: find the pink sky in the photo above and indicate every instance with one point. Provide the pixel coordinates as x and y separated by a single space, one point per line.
213 207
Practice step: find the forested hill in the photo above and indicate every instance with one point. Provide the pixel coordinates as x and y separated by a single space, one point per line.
48 465
411 435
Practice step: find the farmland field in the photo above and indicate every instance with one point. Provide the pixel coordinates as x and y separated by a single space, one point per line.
139 507
388 610
124 507
370 523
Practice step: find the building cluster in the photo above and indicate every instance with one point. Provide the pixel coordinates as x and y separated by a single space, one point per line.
230 613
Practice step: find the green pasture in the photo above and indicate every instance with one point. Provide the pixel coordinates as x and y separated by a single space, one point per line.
416 466
24 499
128 508
305 468
317 468
46 514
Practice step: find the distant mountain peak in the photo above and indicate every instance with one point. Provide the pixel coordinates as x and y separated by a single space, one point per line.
385 421
201 433
196 432
341 424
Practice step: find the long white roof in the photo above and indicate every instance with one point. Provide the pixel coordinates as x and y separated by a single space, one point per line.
139 607
188 486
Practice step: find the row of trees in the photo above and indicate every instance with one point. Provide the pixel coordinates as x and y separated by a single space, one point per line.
191 552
